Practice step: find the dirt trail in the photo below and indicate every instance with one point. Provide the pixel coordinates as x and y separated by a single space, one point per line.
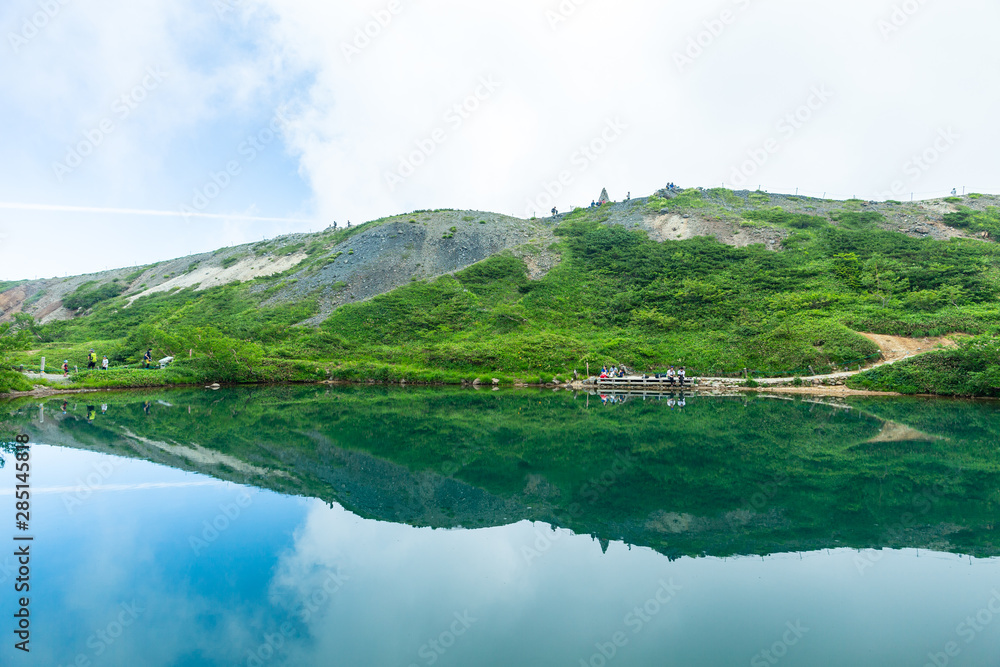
895 348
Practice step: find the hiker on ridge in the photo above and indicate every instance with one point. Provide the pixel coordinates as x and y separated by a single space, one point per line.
92 360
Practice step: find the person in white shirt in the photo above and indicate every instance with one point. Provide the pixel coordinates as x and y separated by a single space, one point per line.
681 374
104 364
671 376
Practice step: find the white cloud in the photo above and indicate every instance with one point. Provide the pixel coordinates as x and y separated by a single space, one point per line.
355 115
618 60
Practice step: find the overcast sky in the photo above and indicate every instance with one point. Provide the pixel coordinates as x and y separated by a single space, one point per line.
140 131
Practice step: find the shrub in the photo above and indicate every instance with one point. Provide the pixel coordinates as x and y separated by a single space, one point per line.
89 294
13 381
783 218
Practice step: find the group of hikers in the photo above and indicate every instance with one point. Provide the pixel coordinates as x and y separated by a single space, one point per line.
91 363
594 203
674 376
672 402
147 359
91 410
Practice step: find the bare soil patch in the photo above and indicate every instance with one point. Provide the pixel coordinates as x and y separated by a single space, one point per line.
895 348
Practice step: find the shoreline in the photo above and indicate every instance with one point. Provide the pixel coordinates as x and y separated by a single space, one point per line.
813 390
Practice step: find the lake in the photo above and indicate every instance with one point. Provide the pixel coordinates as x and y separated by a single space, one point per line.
384 526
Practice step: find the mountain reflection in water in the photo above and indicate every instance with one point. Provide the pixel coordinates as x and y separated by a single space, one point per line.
718 476
374 526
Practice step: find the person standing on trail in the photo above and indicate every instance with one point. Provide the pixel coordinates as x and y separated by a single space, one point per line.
147 358
104 364
555 211
91 360
66 368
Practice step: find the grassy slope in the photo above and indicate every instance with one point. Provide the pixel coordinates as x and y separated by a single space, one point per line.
616 298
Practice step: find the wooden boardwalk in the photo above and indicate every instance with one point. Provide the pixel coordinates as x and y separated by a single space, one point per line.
637 382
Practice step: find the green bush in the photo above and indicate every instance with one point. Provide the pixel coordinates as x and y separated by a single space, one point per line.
975 221
782 218
90 294
13 381
133 378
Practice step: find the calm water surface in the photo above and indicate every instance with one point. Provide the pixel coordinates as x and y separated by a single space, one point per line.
356 527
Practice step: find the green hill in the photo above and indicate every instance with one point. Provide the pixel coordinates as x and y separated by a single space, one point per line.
712 279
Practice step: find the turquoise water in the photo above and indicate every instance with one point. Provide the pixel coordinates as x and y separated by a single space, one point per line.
453 528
